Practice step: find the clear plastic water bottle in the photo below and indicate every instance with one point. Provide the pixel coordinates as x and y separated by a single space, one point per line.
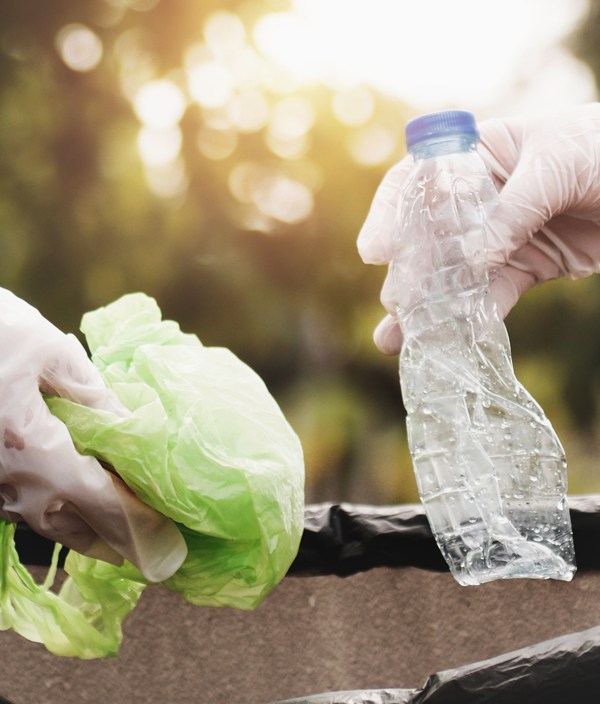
490 469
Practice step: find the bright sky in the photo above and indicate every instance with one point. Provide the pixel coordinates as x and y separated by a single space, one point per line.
478 54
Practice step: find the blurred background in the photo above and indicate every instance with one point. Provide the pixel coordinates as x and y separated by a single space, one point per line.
221 156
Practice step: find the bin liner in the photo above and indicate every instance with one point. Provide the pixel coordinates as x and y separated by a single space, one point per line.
556 671
342 539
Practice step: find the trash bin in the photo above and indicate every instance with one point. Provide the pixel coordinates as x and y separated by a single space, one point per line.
368 614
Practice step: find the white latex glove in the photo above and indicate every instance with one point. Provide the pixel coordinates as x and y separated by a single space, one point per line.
44 481
547 223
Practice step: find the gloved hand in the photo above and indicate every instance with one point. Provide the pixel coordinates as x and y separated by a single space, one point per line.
44 481
547 223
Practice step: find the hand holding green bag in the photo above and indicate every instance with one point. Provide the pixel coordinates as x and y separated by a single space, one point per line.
204 444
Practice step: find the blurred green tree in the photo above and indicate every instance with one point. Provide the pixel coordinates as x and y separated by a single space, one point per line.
151 145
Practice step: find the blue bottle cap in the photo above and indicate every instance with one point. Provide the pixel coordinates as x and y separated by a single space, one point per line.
441 124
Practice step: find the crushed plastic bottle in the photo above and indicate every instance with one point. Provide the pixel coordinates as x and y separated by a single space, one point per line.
490 469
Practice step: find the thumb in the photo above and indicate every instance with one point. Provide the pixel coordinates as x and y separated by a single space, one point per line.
375 238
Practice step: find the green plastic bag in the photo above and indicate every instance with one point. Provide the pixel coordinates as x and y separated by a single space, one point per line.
206 445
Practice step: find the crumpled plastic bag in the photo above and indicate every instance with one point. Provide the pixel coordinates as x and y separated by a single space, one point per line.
206 445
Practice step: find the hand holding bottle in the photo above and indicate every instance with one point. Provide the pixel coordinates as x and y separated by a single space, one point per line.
547 222
490 469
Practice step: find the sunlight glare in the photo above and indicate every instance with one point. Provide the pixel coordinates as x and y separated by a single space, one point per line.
430 53
286 39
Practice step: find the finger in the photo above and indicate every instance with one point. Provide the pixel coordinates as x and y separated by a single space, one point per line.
499 148
533 194
68 372
508 284
375 238
388 336
567 246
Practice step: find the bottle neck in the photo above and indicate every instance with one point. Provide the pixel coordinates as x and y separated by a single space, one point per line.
442 146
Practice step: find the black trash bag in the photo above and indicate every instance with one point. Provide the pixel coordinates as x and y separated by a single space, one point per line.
343 539
557 671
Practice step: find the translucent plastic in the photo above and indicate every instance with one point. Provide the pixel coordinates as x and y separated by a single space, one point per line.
490 469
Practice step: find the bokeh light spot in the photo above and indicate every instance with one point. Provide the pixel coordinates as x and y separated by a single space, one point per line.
217 144
160 104
248 111
159 147
243 179
210 84
137 65
287 148
168 181
273 194
353 106
249 69
79 47
292 118
372 145
284 199
224 33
